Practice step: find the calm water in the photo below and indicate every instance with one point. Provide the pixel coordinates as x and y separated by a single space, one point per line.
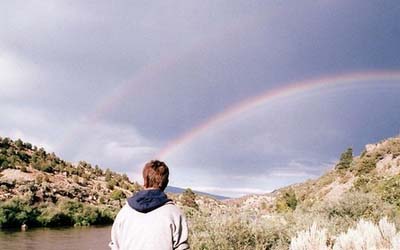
85 238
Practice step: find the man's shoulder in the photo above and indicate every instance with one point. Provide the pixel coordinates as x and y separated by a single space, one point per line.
171 207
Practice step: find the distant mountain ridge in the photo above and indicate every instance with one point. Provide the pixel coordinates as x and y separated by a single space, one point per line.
177 190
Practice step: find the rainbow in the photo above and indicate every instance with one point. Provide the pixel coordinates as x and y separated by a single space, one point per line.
286 90
150 72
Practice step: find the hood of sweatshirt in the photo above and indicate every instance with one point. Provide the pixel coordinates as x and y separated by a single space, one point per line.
147 200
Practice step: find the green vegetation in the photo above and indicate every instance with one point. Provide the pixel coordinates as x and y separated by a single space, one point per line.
40 189
287 201
118 195
345 159
366 187
18 211
232 230
189 199
390 190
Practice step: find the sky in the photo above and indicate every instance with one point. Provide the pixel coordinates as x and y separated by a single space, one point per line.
237 97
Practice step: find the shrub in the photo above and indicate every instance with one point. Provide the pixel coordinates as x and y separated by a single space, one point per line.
84 215
369 236
111 184
390 190
16 212
108 175
19 143
28 145
118 195
312 238
39 179
361 183
47 168
365 235
23 156
286 202
345 159
366 164
52 216
232 230
189 199
356 205
23 169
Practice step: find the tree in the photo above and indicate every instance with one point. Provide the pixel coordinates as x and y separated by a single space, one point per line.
19 143
125 177
5 143
28 145
97 171
189 199
118 195
108 175
346 158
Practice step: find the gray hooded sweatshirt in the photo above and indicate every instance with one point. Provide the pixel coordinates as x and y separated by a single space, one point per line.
149 221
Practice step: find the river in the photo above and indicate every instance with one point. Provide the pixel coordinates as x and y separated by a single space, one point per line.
80 238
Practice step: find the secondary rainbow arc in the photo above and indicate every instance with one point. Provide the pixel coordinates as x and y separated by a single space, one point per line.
285 90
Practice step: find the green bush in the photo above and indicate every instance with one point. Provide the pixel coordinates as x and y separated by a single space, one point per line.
66 212
390 190
16 212
189 199
345 159
355 205
287 201
362 184
53 216
233 230
111 184
23 169
366 164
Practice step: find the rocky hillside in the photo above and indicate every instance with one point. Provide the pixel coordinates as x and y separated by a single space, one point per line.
376 172
55 191
355 190
40 189
47 178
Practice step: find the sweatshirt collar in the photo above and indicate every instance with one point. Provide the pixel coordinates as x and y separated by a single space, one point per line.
148 200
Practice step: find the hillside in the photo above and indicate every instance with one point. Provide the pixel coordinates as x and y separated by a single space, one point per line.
331 207
39 188
376 172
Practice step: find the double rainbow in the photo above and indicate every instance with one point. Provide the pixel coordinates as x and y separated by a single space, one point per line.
286 90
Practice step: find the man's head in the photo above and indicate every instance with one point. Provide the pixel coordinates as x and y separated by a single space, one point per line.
155 175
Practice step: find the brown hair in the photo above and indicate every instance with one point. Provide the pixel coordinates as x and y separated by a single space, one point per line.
155 175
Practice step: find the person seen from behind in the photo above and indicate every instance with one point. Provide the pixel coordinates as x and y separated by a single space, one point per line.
149 220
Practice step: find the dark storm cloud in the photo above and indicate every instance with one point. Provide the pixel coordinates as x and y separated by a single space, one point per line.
73 72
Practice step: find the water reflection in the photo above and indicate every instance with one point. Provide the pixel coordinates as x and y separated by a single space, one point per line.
85 238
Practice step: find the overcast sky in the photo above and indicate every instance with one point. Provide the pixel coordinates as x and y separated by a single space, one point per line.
115 83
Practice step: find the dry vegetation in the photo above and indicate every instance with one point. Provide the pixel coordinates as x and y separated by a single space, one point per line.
40 189
360 194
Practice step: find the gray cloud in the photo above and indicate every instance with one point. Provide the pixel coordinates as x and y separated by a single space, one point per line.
76 73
